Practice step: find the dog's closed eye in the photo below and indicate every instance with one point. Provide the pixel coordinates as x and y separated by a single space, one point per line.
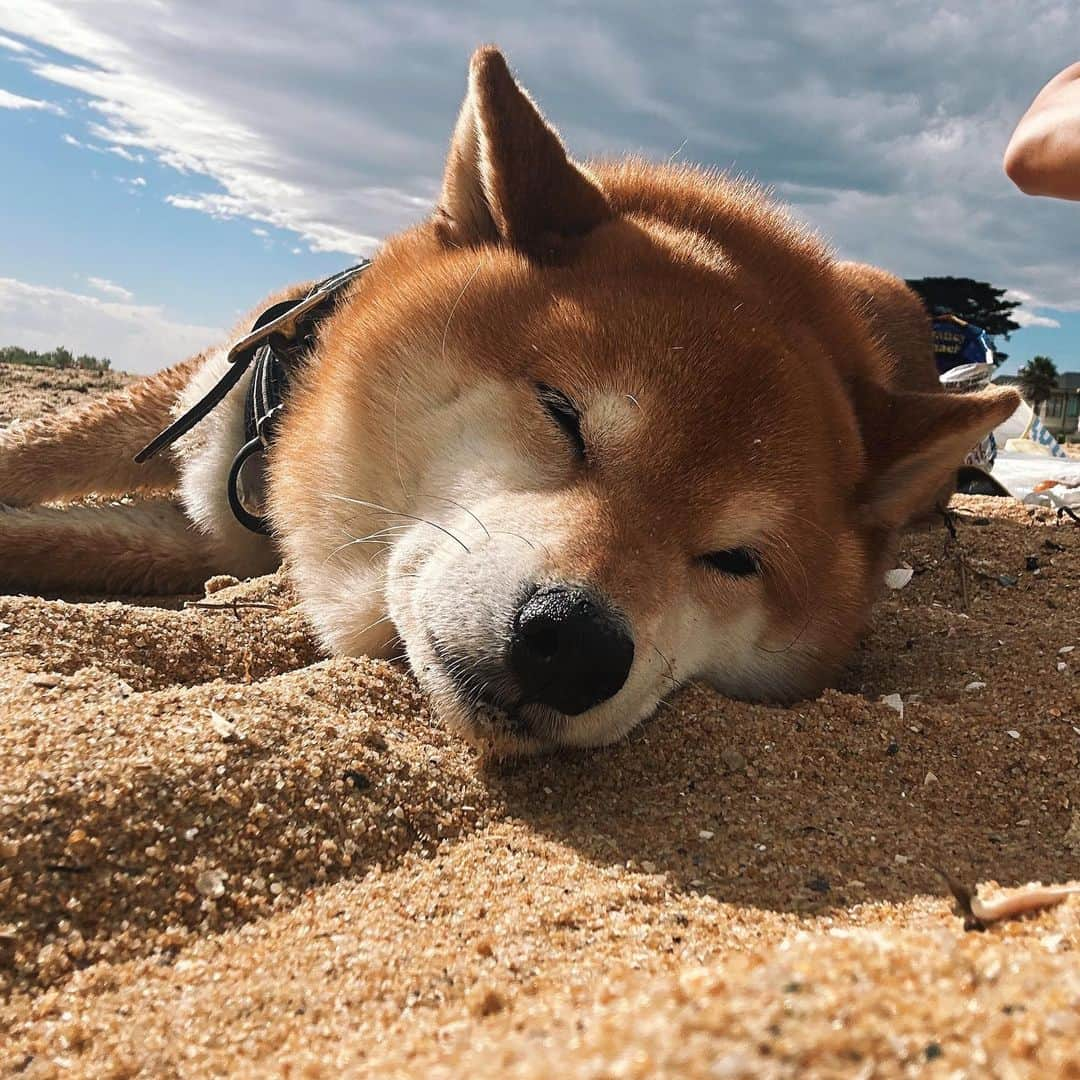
566 415
735 562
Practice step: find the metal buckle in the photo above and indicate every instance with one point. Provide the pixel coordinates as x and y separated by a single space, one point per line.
285 324
242 353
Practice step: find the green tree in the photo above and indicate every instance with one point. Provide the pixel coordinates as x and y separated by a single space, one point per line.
977 302
60 357
64 359
1038 380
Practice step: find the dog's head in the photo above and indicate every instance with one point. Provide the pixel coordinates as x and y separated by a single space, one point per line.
586 435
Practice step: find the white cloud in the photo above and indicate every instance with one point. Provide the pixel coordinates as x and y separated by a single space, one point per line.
1025 315
9 100
1028 318
210 119
321 236
127 155
14 46
110 289
884 125
138 338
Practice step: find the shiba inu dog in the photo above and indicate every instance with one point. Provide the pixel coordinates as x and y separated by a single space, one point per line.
584 434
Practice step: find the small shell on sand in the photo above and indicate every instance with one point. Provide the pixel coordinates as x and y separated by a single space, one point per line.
894 702
225 728
898 578
979 914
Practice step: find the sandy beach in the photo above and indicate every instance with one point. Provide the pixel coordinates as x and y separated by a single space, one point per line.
222 853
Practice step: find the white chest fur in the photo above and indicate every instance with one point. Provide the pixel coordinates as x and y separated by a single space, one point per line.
204 457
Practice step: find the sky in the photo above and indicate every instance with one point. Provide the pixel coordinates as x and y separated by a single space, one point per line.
167 164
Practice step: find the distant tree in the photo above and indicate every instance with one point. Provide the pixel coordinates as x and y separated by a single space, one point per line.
1038 380
93 363
977 302
60 357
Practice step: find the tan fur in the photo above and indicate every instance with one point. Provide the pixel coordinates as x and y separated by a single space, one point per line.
898 320
902 326
92 448
149 547
737 388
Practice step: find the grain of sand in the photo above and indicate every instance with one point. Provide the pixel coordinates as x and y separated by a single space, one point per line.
221 854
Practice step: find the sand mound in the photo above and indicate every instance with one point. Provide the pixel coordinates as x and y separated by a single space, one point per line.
221 853
27 392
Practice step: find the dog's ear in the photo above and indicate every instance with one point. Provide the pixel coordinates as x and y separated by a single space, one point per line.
915 441
508 177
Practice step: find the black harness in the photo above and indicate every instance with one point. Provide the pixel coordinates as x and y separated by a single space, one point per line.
279 339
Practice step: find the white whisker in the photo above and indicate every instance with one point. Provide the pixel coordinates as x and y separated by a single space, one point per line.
377 622
454 307
401 513
462 508
370 539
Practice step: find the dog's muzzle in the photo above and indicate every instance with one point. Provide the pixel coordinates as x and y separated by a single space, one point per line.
569 650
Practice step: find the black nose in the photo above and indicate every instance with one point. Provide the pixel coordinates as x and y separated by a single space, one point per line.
569 650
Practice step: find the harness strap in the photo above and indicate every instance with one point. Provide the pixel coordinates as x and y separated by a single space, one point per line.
239 358
279 338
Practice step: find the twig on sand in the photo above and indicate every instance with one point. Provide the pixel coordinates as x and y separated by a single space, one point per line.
235 606
949 517
965 598
964 566
979 914
966 569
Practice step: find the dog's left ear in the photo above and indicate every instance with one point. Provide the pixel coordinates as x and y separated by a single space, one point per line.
508 177
915 441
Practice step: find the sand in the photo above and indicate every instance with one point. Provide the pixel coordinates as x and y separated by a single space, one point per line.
223 854
27 392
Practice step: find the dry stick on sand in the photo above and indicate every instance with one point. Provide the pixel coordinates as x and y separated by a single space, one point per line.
965 569
965 595
964 566
979 914
235 606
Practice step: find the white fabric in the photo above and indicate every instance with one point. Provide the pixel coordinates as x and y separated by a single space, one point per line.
1020 473
1015 468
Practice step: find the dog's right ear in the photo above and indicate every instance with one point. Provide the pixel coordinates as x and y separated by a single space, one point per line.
508 177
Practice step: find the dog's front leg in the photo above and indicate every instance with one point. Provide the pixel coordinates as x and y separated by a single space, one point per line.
149 547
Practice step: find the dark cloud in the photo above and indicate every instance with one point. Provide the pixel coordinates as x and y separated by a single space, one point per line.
883 125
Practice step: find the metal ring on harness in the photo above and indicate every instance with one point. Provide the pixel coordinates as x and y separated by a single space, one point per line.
254 522
280 338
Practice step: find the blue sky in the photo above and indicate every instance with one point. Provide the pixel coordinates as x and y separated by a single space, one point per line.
167 164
